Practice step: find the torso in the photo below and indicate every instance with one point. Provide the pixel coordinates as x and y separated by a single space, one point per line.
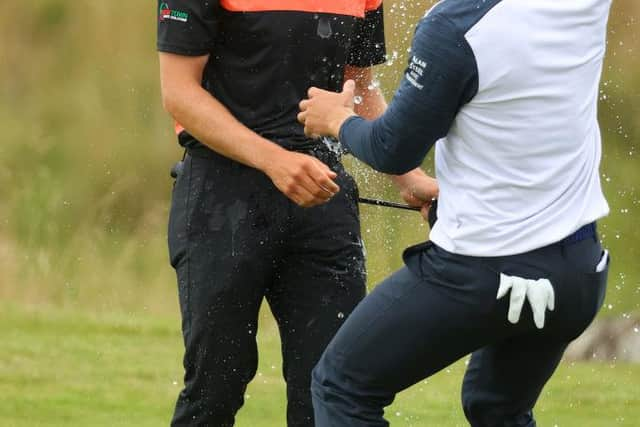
264 59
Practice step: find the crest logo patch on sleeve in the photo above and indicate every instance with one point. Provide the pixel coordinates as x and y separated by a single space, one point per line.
168 14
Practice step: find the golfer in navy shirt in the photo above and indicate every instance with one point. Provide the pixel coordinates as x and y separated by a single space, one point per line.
507 93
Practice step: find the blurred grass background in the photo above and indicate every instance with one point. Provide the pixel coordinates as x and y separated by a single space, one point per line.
86 150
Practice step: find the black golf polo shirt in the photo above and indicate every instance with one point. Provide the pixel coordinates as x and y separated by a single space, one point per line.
265 54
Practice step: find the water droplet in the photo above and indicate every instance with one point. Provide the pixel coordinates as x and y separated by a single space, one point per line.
375 84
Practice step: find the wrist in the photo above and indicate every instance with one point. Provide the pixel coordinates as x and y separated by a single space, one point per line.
402 181
267 156
341 117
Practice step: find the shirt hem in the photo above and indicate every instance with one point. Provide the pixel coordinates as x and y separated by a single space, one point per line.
180 50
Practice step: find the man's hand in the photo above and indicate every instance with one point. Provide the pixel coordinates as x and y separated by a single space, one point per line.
302 178
324 112
417 189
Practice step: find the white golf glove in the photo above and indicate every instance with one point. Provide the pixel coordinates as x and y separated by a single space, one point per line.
539 293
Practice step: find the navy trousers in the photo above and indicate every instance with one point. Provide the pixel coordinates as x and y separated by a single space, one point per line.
441 307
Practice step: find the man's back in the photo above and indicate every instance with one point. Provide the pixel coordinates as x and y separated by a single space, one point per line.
519 167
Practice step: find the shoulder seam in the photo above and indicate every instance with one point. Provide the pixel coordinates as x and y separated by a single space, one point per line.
461 38
437 11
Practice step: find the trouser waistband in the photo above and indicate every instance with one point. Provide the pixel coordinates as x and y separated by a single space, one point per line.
584 232
320 151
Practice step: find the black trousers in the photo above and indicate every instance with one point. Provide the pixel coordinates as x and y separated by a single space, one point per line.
441 307
234 239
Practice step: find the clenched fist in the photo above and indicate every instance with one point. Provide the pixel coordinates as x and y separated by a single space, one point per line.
302 178
323 113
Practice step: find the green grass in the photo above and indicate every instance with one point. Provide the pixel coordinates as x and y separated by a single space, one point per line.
63 368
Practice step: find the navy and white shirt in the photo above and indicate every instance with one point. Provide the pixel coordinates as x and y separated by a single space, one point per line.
507 91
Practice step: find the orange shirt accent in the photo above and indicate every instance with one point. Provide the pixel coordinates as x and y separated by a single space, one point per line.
372 5
338 7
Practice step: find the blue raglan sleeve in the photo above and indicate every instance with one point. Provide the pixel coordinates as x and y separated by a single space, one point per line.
441 77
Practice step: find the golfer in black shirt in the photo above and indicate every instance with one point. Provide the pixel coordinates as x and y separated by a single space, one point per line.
260 210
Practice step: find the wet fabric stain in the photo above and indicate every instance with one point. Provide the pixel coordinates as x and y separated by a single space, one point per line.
324 28
236 213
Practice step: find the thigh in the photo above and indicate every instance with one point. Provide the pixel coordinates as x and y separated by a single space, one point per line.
309 310
327 237
310 301
321 275
319 281
503 380
221 249
409 328
223 229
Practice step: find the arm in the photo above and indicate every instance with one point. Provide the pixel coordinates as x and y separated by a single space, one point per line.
185 47
441 77
373 104
416 187
204 116
302 178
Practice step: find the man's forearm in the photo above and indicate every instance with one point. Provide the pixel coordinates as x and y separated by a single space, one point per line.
371 102
371 106
213 125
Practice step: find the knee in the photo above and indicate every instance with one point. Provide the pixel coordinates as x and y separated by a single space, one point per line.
482 413
338 383
329 384
475 411
323 379
472 408
334 401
